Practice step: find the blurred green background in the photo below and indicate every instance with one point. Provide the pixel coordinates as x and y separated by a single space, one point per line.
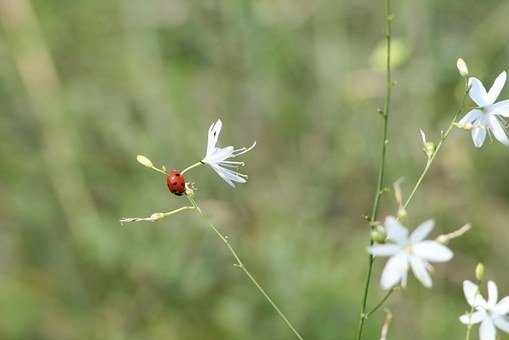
85 86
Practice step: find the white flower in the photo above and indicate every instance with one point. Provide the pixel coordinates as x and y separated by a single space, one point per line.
486 116
217 158
490 314
409 251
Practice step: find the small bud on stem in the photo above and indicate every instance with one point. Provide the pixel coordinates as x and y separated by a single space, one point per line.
398 194
378 235
462 67
144 161
154 217
457 233
148 163
427 147
479 272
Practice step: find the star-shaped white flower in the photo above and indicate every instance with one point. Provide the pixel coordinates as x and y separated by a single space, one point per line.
486 117
409 251
218 158
490 314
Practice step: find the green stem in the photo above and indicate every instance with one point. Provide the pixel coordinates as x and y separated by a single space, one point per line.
191 167
381 169
385 113
155 216
382 301
240 264
431 158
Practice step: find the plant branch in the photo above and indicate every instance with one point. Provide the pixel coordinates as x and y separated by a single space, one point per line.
155 216
381 169
441 142
191 167
382 301
239 264
386 324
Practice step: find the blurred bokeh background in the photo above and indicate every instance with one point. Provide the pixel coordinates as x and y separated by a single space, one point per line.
85 86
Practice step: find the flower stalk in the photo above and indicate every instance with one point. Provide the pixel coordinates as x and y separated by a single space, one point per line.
155 216
192 166
439 145
381 169
239 264
431 153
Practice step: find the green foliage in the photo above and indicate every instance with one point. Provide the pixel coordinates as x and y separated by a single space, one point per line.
148 77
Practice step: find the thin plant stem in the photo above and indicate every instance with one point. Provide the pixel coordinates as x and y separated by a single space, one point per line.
380 184
159 170
386 324
385 113
364 316
239 264
155 216
441 142
191 167
382 301
469 327
381 169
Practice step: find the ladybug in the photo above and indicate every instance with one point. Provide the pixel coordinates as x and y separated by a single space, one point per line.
176 182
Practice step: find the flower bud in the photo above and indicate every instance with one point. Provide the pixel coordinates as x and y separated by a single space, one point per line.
429 149
462 67
378 235
402 213
144 161
479 272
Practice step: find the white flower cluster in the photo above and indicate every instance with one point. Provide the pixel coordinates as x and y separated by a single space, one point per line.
412 251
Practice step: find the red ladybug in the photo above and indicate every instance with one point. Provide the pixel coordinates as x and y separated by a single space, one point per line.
176 183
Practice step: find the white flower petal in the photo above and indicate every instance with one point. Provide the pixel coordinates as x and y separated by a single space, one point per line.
219 154
498 130
502 306
475 317
478 136
395 270
395 231
497 87
432 251
384 249
501 108
492 294
470 290
243 150
472 294
470 117
420 271
214 131
220 171
228 175
502 323
487 330
422 231
477 92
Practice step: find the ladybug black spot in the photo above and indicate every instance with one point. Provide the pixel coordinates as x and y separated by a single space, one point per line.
177 175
